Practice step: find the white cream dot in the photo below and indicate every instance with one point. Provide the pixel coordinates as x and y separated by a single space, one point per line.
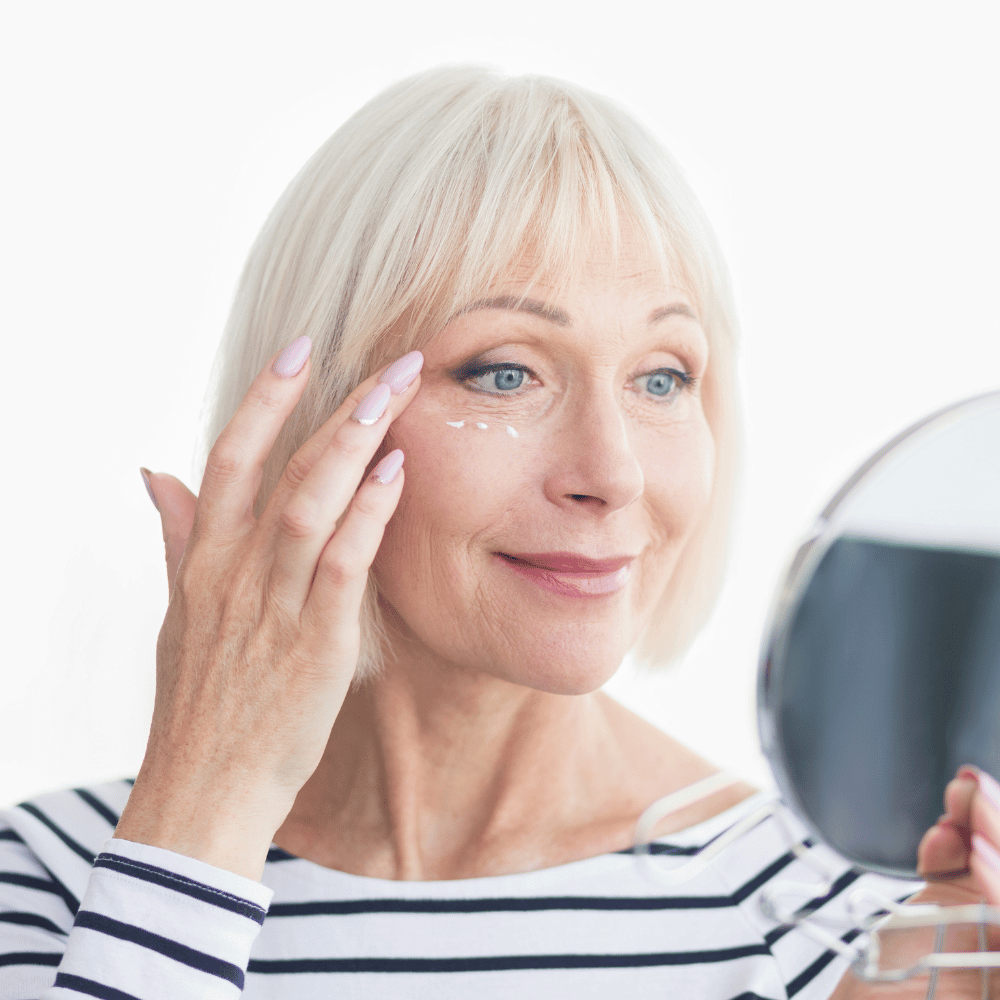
511 431
455 423
482 427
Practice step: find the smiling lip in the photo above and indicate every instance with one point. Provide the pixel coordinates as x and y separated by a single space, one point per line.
568 562
571 575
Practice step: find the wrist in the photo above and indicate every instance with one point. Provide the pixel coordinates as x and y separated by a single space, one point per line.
221 825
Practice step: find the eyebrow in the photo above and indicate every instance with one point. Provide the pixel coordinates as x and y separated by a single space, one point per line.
515 303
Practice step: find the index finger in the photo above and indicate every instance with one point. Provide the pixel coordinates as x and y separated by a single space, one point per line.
233 469
399 376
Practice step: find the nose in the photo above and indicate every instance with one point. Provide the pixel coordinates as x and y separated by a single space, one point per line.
592 462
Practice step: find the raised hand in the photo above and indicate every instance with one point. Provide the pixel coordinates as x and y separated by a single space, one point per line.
261 635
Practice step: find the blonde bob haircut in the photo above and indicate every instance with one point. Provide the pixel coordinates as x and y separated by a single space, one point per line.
430 195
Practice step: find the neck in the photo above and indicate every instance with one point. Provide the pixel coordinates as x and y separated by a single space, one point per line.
436 773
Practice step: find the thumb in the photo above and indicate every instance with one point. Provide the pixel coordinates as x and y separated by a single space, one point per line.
176 504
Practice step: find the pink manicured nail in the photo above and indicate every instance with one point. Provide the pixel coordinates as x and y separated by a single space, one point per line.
402 372
387 470
985 850
372 406
290 361
989 787
145 473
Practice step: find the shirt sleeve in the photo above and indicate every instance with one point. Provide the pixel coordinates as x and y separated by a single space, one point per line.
152 925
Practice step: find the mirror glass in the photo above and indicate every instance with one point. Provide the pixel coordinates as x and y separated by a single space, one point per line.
880 671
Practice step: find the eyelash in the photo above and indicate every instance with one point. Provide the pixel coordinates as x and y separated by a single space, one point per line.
469 372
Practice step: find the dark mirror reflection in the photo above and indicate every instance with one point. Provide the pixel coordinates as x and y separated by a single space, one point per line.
882 673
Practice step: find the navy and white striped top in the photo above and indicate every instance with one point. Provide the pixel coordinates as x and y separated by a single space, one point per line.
106 918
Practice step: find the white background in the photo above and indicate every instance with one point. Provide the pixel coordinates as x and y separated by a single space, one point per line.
852 147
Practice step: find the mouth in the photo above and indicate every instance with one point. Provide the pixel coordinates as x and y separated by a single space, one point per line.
571 575
568 562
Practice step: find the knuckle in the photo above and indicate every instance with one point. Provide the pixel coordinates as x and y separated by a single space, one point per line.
262 396
298 521
225 462
337 567
369 505
350 447
297 469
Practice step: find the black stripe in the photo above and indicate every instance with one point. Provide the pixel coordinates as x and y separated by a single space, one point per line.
749 888
10 835
30 920
813 970
98 806
503 963
32 809
51 884
751 996
810 972
848 878
277 854
89 988
129 781
515 904
51 958
72 903
190 957
181 884
529 904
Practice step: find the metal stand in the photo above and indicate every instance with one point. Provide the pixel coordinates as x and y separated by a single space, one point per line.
782 903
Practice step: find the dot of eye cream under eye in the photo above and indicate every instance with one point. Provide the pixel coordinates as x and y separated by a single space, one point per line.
511 431
482 427
455 423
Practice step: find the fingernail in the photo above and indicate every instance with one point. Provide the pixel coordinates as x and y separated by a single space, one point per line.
985 850
372 406
967 771
402 372
989 787
149 489
387 470
290 361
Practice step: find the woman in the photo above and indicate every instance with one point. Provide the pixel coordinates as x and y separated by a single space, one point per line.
377 716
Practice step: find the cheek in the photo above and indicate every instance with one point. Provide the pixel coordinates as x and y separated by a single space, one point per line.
461 483
679 475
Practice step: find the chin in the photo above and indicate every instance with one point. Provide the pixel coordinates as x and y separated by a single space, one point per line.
569 676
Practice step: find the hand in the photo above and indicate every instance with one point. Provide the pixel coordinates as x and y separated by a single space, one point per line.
962 847
261 635
958 858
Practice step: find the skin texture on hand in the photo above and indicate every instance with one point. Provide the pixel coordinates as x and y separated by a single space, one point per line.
261 635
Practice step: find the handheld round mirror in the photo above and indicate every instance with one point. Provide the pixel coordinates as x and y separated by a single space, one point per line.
880 671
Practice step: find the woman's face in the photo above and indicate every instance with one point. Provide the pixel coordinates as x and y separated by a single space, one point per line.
572 426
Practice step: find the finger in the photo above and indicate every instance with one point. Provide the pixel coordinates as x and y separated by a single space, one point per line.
233 470
985 825
944 851
985 866
311 514
958 795
342 572
403 379
176 504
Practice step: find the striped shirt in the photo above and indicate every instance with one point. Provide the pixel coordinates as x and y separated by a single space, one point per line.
107 918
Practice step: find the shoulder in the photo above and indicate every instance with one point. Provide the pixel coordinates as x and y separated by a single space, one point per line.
654 765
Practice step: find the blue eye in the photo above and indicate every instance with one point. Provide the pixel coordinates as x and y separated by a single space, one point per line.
661 383
496 379
667 382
